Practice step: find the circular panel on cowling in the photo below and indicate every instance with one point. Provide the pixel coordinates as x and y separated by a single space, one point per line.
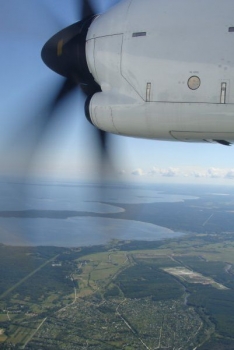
194 82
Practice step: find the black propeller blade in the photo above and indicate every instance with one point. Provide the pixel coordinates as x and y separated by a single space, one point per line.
65 54
67 87
86 9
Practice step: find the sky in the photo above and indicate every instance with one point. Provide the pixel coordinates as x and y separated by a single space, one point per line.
69 150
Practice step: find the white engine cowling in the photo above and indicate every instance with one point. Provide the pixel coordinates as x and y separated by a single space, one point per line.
160 78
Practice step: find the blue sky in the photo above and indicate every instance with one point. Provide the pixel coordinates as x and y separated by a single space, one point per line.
69 149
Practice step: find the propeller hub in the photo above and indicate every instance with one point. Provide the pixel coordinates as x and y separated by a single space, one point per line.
65 53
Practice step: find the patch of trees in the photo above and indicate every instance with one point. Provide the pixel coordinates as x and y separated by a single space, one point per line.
112 292
147 280
18 262
48 280
218 344
218 304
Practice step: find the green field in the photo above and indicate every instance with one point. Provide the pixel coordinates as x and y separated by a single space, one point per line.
112 297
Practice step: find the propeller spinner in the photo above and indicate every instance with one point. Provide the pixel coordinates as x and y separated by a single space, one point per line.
65 54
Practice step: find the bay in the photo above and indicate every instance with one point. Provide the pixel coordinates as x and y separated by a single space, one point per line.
38 214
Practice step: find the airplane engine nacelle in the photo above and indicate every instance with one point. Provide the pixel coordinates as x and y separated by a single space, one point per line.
169 75
123 115
117 114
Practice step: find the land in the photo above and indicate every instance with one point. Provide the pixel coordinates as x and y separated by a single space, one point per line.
174 294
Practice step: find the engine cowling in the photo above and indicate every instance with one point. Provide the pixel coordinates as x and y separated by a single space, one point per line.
160 77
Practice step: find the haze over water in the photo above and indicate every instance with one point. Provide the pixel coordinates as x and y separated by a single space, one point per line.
63 214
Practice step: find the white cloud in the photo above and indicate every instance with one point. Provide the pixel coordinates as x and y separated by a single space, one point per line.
198 174
215 173
154 171
170 172
184 173
230 174
138 172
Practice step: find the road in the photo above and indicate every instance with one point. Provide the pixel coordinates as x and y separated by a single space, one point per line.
128 325
27 277
33 334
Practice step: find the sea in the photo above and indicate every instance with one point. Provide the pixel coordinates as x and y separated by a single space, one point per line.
73 214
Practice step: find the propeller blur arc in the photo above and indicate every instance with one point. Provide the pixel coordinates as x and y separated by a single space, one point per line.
65 54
